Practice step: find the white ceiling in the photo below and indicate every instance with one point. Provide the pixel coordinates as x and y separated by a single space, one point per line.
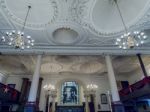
82 26
62 65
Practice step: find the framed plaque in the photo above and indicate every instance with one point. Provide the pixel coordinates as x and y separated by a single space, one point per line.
104 99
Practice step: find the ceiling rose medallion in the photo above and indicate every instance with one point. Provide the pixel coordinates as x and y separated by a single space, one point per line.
65 35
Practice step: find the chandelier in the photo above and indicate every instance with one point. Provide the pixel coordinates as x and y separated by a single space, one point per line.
129 39
49 87
92 87
17 38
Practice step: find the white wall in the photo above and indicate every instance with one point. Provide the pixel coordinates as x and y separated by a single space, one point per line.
15 80
101 81
138 75
3 78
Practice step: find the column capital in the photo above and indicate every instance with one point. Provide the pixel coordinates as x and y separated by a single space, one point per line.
108 56
87 93
53 93
39 56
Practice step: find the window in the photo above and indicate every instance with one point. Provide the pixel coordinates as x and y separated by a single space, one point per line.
70 93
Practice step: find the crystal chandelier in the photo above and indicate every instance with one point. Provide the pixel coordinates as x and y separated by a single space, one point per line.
92 87
49 87
17 38
129 39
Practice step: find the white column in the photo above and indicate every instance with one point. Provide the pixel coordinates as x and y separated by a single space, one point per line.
112 80
35 80
86 96
86 103
53 95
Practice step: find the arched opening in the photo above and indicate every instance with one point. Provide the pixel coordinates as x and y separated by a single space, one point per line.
70 92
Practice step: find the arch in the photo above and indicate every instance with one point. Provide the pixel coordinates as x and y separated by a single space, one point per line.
59 83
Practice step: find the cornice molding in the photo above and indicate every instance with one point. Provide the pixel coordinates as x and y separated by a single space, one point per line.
69 50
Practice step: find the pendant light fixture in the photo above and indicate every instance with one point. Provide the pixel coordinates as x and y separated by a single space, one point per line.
18 39
129 39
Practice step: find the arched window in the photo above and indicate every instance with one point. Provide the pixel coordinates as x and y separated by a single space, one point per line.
70 93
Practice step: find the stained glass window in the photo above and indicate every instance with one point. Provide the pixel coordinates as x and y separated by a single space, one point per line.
70 92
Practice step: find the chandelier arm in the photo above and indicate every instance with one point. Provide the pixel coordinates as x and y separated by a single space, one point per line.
4 34
121 16
1 32
29 7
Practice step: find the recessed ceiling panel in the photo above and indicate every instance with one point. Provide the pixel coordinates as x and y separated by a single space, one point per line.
106 18
42 11
65 36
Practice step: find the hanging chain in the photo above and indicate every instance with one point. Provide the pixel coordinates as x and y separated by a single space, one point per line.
121 16
29 7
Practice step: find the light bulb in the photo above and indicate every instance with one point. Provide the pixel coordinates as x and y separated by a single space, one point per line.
28 37
128 34
32 44
139 36
13 31
28 46
142 33
21 43
11 39
9 43
116 43
145 37
134 32
122 36
118 39
137 32
142 42
10 33
22 33
124 47
29 41
32 40
19 32
3 39
125 34
22 47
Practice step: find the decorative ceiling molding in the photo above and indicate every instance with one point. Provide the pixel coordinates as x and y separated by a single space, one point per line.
87 22
74 15
19 21
144 22
78 50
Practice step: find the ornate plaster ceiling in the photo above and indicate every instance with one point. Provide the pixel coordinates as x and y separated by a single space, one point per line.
66 65
93 25
106 18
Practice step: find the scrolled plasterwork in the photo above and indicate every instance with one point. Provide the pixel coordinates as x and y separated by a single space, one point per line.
78 9
19 21
144 22
79 14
